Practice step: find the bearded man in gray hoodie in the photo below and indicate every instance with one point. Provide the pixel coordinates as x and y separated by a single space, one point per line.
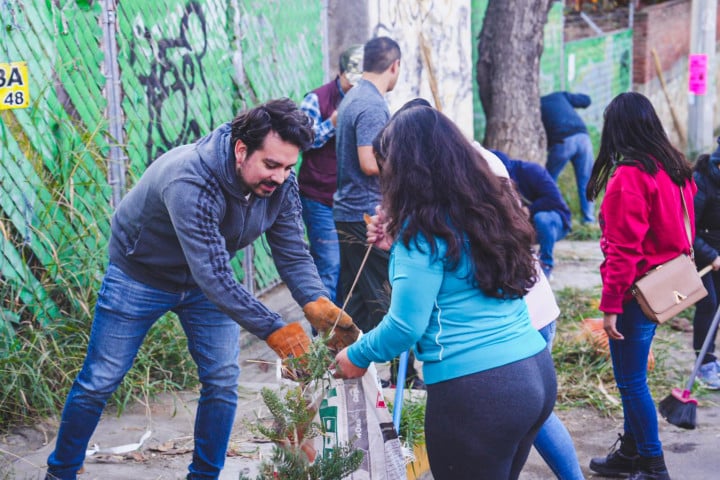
172 239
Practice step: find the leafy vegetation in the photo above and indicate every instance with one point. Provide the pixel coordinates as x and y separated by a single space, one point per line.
52 264
40 365
291 426
412 421
585 375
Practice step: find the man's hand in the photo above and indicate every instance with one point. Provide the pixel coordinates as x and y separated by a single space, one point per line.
344 368
290 342
325 317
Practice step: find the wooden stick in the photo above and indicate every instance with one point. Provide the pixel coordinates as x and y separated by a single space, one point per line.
676 122
425 50
705 270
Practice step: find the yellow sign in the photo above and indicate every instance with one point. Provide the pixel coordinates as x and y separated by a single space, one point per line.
14 87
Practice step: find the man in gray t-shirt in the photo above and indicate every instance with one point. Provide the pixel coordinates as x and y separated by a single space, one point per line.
361 116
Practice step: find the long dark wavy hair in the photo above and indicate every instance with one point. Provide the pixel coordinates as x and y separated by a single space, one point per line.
436 184
633 135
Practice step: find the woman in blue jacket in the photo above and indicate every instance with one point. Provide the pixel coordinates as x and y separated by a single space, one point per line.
459 267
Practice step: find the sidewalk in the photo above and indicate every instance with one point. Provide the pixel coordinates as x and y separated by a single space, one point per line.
690 454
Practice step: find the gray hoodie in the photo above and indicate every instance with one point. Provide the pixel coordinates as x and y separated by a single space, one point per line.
179 227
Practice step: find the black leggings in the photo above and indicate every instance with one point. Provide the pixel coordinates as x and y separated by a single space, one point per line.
482 426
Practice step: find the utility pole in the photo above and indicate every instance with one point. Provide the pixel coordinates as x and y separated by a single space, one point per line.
701 77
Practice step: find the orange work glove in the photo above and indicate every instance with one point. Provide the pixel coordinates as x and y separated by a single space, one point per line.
290 342
322 314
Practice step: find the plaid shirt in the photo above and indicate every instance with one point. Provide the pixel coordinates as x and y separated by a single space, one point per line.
323 129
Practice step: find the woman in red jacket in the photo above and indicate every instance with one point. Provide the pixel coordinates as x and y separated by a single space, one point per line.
642 223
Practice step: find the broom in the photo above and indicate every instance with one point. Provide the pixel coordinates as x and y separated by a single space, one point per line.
679 408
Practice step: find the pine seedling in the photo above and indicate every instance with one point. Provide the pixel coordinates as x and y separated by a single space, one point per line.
291 426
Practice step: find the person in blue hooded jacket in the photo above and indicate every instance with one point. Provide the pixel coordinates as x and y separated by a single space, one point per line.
544 202
568 141
172 239
707 252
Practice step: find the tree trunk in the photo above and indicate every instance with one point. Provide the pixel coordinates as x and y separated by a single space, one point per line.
508 73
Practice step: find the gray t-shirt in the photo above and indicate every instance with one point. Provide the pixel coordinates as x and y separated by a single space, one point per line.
362 114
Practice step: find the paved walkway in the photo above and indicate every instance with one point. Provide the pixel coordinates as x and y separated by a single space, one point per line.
691 455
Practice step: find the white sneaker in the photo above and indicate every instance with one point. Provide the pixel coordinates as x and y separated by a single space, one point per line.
708 376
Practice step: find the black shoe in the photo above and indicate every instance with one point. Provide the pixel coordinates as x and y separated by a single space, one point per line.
651 468
386 384
620 462
650 476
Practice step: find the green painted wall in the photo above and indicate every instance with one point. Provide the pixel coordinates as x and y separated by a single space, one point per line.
599 66
185 67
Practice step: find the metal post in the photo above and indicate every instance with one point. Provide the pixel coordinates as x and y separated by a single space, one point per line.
325 40
563 67
113 94
700 106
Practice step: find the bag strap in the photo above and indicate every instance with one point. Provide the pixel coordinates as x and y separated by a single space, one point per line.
687 224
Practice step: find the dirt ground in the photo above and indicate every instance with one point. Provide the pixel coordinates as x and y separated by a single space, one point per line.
164 455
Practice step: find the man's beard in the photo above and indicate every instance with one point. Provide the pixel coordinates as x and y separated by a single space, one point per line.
264 192
257 188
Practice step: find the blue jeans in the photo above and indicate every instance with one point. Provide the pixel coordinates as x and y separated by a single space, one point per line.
125 311
549 228
577 149
553 441
630 360
324 246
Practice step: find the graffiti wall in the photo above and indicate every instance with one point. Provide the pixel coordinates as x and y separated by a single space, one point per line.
185 66
171 67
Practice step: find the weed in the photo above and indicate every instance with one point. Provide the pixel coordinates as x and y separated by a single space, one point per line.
412 421
584 231
53 234
585 376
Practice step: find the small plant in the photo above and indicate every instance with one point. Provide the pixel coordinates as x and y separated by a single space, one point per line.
287 464
291 426
412 421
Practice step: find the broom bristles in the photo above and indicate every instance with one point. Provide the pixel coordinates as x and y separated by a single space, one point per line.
679 409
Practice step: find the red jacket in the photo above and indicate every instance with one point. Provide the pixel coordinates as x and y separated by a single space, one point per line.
642 223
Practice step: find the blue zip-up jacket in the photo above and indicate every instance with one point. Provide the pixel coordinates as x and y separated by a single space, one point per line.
455 328
559 117
180 226
537 188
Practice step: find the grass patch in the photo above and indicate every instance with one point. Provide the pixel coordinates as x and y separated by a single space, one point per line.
585 377
584 231
40 364
52 259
